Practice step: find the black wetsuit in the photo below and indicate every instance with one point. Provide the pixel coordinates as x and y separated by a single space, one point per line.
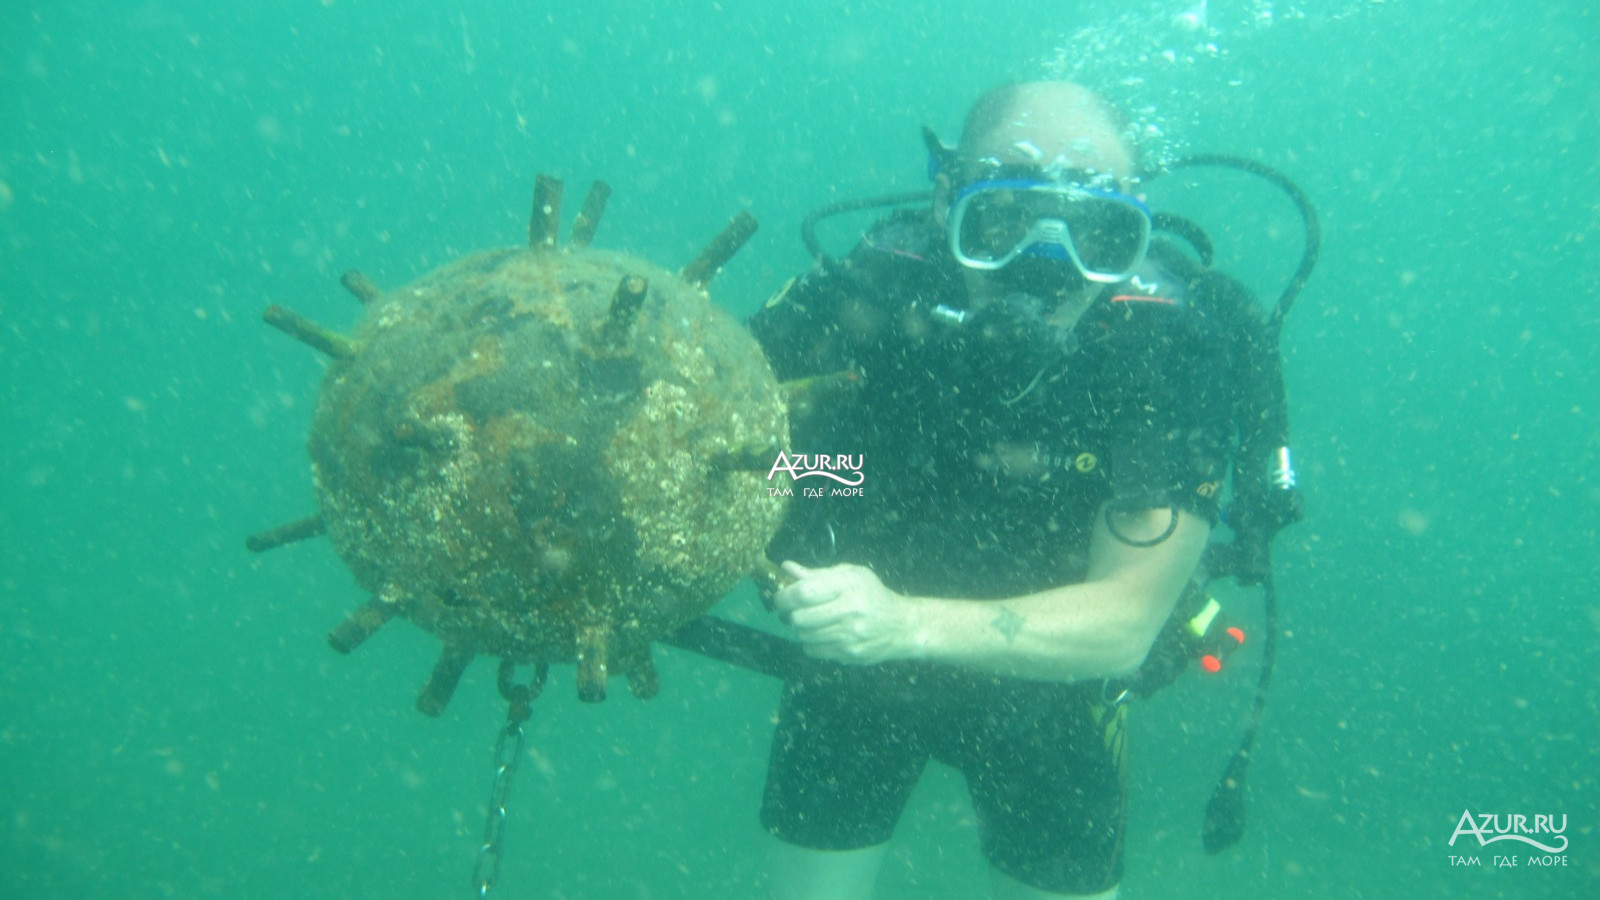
990 440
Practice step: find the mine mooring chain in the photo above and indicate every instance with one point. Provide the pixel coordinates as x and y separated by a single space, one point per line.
508 750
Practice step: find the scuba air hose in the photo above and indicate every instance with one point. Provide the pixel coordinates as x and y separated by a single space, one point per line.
808 225
1308 215
1265 499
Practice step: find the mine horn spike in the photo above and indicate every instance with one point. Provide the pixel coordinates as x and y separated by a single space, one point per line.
743 458
799 387
441 686
594 206
624 308
308 332
721 249
363 622
273 538
593 645
544 225
361 287
642 678
803 394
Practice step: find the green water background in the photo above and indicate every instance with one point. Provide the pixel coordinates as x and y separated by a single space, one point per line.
172 723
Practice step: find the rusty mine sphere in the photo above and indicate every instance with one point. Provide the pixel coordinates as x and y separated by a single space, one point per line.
544 455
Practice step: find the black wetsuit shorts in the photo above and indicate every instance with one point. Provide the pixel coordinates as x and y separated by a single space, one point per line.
1044 763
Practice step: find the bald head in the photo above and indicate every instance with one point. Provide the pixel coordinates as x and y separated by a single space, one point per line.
1047 123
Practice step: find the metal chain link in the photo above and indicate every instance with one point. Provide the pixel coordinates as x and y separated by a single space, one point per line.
507 753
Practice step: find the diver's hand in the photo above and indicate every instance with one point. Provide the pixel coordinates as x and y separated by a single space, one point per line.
845 614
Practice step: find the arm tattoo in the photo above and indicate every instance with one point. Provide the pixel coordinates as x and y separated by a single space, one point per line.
1008 623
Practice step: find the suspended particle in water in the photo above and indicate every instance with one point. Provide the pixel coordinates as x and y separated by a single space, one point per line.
1193 18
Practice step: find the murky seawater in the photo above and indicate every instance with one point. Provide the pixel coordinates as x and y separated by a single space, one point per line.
172 723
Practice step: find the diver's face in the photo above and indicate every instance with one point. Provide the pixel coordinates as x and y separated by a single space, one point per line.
1058 136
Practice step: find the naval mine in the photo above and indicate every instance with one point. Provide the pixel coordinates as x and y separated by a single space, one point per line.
543 454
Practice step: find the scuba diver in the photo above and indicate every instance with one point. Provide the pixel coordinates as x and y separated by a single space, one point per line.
1046 396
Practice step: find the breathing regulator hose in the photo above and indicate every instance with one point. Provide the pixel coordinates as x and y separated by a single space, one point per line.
1266 499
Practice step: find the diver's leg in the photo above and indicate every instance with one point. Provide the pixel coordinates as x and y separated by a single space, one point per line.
1004 887
800 873
843 765
1050 794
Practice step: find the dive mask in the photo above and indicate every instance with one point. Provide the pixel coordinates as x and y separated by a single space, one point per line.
1104 233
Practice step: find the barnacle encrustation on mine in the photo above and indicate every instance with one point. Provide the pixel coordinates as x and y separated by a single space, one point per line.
526 452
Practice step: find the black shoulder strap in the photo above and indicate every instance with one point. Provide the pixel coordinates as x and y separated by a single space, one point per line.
805 328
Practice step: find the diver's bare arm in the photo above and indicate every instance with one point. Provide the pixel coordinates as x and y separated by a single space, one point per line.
1100 628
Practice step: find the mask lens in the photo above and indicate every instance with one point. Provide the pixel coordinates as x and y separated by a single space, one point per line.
1105 233
996 223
